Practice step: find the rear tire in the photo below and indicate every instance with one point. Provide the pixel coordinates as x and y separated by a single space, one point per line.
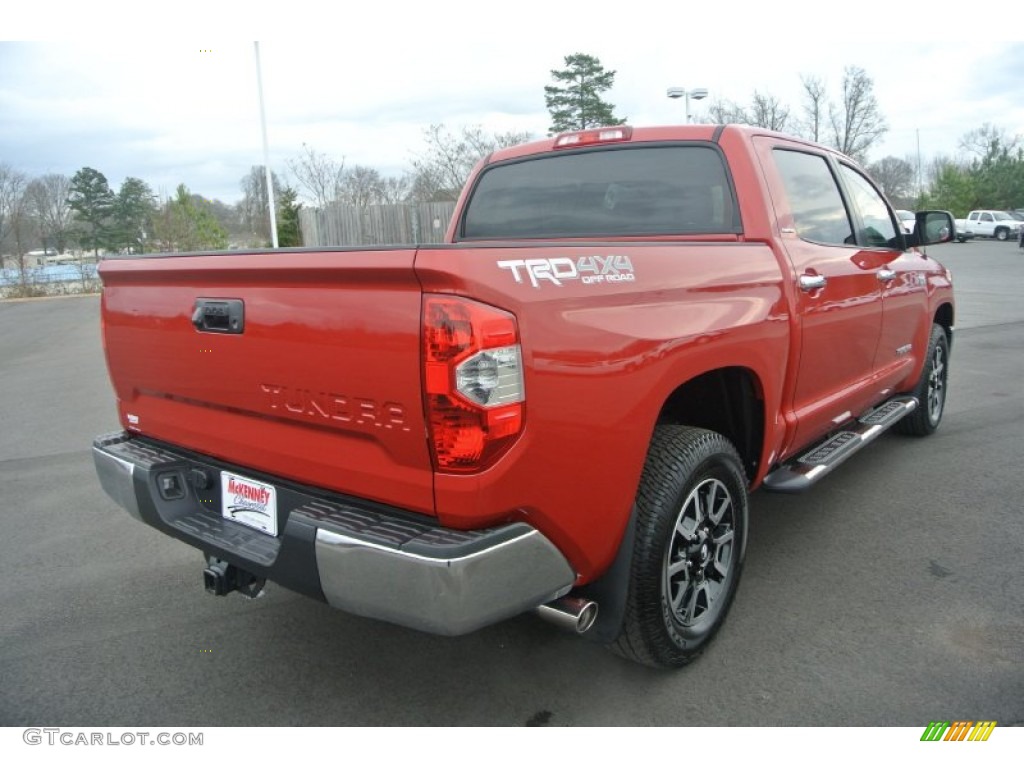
691 534
930 390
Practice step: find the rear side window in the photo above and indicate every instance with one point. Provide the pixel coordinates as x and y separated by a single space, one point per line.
814 200
612 192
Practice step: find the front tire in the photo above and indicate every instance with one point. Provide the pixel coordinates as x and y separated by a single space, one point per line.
930 390
1002 234
691 535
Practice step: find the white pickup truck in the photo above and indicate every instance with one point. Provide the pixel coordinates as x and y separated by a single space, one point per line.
997 224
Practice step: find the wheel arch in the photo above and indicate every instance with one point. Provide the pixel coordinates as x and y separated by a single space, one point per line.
944 316
729 401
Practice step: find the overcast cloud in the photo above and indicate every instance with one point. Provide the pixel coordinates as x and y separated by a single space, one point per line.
366 83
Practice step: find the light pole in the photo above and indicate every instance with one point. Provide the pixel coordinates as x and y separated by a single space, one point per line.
696 93
266 151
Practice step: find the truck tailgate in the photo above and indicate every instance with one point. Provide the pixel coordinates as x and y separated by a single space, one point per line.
318 379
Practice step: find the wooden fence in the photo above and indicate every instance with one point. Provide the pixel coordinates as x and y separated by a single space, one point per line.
375 225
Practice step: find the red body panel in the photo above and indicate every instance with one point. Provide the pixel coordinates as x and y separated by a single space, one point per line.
600 362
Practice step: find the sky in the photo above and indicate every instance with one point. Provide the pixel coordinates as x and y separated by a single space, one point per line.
172 97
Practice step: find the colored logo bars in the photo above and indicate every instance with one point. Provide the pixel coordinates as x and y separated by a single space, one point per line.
961 730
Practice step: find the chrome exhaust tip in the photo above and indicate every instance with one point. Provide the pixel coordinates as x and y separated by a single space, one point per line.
576 614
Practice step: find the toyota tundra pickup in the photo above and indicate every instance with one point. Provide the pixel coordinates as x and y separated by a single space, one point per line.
563 409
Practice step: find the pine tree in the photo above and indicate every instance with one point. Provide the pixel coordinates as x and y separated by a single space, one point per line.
289 234
184 226
93 203
575 101
133 209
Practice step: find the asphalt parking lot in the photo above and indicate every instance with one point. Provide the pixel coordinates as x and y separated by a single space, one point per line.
891 594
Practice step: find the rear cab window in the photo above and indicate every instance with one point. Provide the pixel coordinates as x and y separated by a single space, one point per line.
609 192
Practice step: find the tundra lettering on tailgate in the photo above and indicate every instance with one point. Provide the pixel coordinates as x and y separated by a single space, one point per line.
357 411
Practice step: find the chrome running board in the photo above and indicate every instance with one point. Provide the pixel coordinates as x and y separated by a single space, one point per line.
804 471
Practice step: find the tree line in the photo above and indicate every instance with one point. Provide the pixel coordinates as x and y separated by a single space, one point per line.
852 123
54 212
988 174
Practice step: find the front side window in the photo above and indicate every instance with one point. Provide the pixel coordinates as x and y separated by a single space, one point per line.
877 230
814 200
652 190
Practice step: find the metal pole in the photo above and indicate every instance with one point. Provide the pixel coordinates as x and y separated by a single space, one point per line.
687 107
920 185
266 151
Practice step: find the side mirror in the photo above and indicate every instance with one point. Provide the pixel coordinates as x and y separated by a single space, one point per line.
932 227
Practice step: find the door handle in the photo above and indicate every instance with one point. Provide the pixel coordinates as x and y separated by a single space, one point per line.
886 275
812 282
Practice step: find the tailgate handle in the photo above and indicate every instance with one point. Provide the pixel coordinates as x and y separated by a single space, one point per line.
219 316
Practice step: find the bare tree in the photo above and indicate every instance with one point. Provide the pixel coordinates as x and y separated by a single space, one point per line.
448 159
764 112
12 205
939 163
980 141
317 175
48 200
427 187
767 112
722 112
856 123
814 107
360 187
395 189
506 139
254 206
442 169
896 178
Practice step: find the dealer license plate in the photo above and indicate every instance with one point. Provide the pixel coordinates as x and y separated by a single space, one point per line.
249 502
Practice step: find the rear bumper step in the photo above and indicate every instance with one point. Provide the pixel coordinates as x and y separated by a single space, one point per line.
803 472
359 556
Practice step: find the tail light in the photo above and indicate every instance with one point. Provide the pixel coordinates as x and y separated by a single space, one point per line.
473 374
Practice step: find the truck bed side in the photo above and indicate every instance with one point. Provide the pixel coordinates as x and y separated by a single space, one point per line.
602 359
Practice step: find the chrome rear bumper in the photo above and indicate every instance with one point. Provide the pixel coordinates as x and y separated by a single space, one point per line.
356 555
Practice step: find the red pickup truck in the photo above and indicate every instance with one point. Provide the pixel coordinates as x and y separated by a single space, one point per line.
562 409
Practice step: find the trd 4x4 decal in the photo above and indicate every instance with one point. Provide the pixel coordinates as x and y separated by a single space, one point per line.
587 269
